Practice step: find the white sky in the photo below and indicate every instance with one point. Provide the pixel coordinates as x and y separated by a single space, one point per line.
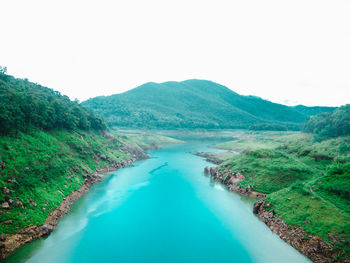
295 51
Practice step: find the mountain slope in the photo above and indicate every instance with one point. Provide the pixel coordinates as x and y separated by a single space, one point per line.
191 104
50 148
25 105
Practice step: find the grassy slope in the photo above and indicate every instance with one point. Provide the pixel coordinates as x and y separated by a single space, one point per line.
40 164
252 140
308 183
144 139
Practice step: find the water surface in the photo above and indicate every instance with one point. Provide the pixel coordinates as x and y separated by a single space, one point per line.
161 210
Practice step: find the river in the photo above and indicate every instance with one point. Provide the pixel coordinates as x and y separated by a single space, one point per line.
161 210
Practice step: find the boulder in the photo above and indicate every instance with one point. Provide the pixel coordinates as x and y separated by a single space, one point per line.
257 206
45 229
5 205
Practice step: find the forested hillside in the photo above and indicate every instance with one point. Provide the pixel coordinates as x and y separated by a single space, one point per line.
50 146
330 124
25 105
196 104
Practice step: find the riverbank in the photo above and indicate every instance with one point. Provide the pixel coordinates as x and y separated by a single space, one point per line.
11 242
134 205
312 246
305 185
231 180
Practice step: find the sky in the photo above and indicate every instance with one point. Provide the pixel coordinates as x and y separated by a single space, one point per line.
290 52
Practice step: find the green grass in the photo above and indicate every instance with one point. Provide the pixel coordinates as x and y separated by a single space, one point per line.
300 207
268 170
144 139
307 182
334 187
252 140
45 167
312 211
277 160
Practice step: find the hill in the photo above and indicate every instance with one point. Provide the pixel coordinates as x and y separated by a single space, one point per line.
196 104
25 105
51 151
330 124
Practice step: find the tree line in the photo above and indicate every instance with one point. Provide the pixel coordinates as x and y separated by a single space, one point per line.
330 124
25 105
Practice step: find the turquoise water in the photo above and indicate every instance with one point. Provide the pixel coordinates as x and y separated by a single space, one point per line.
161 210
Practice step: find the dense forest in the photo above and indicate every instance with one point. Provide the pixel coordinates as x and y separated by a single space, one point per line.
25 105
197 104
330 124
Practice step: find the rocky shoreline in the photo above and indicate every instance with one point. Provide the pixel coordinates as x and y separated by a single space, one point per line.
231 180
210 157
11 242
312 246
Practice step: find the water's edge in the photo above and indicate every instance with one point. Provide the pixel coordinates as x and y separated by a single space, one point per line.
10 243
312 246
184 214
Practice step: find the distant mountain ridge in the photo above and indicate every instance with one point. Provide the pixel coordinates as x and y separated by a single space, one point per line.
195 104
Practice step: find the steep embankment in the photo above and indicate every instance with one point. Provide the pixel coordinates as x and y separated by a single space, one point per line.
42 173
195 104
51 151
306 185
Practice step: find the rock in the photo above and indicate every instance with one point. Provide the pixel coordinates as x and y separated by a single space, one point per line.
19 203
257 206
32 202
138 152
45 229
213 171
7 222
26 168
5 205
6 191
206 170
10 201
